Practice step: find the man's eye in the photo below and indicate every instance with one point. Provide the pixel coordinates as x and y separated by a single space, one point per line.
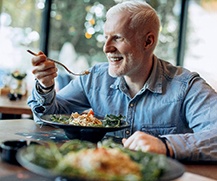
118 38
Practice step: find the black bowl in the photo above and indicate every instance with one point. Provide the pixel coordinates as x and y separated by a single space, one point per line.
9 150
87 133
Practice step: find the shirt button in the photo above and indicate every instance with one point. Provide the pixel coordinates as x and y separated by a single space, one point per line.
127 132
131 105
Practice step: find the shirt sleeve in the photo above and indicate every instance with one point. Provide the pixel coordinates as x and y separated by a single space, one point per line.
40 103
199 109
199 146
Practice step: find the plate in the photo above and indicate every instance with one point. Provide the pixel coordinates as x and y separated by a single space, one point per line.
88 133
173 171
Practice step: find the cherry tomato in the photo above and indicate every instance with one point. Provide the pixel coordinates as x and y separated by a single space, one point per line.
90 113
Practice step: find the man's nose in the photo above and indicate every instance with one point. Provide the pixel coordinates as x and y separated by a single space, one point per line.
108 47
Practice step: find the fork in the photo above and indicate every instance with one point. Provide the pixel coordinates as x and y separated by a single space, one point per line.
86 72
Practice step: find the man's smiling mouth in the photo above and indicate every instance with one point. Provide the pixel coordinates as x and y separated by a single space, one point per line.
114 58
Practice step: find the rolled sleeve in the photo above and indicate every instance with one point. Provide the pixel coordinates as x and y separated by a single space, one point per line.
194 146
40 103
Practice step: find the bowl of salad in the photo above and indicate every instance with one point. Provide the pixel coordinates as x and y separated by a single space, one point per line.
78 160
86 126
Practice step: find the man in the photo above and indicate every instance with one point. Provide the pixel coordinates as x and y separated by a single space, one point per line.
170 109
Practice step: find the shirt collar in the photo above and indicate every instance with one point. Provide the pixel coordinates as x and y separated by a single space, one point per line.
117 83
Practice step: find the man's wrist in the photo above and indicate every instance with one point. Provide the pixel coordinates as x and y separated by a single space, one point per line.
169 151
42 89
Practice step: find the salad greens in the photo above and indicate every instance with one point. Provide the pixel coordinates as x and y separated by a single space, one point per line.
112 120
60 118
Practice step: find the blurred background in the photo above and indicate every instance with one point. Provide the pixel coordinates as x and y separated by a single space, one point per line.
72 32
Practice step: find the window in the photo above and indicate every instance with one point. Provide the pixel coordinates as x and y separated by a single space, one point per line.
20 25
201 53
169 13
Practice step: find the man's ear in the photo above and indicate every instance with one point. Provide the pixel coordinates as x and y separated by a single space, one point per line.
149 40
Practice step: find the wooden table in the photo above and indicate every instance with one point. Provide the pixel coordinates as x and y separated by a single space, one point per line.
18 106
26 129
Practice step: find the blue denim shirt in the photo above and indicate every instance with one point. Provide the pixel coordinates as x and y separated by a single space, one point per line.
174 102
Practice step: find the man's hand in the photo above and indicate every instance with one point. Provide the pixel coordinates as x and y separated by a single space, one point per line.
44 70
145 142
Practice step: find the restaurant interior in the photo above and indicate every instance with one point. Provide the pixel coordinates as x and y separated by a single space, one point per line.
72 33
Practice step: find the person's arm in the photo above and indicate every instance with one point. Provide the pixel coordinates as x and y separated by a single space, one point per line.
199 109
69 99
43 92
